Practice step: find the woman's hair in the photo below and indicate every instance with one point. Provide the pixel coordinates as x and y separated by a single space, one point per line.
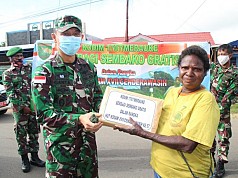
197 51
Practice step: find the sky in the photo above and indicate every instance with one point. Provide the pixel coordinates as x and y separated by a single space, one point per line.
107 18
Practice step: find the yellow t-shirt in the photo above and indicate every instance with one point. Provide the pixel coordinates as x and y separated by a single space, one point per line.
195 116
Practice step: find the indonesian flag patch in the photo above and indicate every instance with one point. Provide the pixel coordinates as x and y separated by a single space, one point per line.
39 79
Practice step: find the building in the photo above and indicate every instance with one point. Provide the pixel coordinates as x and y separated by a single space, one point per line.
234 45
36 31
179 37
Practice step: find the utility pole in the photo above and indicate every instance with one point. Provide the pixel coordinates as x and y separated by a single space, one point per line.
41 30
84 31
126 34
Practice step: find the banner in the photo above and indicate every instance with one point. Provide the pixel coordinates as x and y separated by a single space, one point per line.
43 50
146 68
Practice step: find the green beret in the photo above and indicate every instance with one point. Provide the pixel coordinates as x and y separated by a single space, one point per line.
13 51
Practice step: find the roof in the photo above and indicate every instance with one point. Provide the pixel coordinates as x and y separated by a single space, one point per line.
92 38
179 37
234 43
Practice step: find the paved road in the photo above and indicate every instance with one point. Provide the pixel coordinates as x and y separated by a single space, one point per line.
120 155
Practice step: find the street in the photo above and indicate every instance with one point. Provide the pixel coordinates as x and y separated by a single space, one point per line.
120 155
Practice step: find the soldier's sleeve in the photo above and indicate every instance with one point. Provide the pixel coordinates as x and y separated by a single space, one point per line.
212 67
98 95
12 91
25 94
231 91
43 93
236 82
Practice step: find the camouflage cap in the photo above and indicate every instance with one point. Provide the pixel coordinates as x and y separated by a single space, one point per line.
13 51
66 22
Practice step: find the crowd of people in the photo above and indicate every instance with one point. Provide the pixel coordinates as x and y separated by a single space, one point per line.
68 95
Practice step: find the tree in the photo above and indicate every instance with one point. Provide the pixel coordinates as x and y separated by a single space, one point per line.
2 44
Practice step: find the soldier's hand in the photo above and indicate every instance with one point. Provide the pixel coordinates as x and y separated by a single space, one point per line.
90 121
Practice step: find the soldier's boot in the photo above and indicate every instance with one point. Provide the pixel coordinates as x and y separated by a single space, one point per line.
36 161
26 167
220 169
214 159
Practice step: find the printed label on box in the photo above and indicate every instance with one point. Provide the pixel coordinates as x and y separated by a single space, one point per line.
119 105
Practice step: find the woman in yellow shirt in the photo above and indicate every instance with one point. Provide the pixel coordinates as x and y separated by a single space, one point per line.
187 125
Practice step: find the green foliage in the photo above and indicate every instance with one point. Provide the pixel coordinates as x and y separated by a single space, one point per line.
234 108
2 44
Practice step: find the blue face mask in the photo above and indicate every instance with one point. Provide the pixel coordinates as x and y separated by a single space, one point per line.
69 44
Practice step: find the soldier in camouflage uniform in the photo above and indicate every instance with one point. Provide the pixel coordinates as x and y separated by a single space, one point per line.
224 85
66 93
17 81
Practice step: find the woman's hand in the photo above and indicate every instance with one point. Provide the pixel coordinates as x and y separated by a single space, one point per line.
85 119
134 129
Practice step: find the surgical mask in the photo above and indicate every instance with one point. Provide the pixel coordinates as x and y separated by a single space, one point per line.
69 44
223 59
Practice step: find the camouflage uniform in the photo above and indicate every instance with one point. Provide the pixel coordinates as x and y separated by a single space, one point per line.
17 82
224 85
66 92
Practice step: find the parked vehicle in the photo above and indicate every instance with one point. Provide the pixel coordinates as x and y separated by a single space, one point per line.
4 101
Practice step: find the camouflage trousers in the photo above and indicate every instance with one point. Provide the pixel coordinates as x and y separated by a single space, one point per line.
224 133
27 133
70 156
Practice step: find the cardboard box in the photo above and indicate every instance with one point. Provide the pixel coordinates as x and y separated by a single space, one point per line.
119 105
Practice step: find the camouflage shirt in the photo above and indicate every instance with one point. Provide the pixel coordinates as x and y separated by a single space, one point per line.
224 84
62 92
17 82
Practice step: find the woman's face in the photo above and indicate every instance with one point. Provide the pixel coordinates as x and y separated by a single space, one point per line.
191 73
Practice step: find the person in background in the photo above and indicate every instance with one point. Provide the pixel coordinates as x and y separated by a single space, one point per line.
187 125
66 93
17 82
224 86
